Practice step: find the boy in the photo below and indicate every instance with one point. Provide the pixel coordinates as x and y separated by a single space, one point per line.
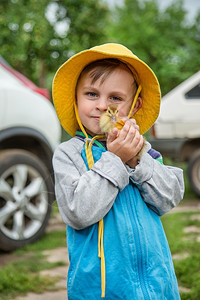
110 201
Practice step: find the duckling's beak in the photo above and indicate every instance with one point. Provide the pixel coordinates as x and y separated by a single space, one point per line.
113 119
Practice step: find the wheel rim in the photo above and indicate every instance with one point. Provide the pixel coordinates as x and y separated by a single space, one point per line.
23 202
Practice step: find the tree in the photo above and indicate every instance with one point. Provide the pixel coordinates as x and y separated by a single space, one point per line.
38 36
163 39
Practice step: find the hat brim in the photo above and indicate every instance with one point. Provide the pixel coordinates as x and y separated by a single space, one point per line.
65 80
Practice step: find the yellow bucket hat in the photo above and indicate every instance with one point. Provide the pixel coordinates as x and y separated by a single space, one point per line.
65 80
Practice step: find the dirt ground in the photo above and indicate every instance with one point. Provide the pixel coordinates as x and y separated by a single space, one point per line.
60 254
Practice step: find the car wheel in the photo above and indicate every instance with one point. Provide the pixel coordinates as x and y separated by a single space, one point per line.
26 192
193 172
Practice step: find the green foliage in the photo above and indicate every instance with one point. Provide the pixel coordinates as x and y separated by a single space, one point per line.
162 38
36 37
87 26
30 39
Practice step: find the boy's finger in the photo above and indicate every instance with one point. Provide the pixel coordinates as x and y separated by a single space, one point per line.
124 131
138 142
133 123
112 135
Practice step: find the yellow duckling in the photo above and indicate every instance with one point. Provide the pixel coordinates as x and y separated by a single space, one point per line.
109 120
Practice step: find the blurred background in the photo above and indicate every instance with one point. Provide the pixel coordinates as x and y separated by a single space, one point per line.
36 37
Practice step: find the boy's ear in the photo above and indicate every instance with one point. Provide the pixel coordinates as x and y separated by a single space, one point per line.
137 106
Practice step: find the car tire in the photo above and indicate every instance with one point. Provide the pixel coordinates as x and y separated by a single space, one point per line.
193 172
26 196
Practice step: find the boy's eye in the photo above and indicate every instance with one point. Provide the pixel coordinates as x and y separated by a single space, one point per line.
115 98
91 94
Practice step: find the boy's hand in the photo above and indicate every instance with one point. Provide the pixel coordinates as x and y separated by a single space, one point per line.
126 143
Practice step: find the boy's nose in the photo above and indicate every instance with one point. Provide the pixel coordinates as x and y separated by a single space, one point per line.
102 104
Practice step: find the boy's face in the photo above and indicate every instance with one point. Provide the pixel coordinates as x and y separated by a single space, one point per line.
93 99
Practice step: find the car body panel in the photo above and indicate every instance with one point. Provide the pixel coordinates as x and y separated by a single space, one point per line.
179 116
21 106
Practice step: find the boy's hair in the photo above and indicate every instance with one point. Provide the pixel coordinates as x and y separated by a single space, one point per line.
103 68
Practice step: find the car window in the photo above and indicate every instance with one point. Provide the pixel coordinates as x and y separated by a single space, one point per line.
194 93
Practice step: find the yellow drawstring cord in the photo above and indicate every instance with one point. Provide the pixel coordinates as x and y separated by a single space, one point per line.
134 101
101 256
90 161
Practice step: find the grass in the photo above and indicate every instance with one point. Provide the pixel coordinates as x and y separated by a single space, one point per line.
180 242
21 276
188 269
51 240
189 194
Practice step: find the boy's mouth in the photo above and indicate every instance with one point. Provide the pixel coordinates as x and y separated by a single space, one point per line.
96 118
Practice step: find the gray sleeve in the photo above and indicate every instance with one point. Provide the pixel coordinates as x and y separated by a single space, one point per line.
85 197
162 187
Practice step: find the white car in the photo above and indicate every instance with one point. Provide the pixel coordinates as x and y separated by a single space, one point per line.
176 133
29 133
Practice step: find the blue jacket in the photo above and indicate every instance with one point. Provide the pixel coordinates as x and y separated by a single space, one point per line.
137 256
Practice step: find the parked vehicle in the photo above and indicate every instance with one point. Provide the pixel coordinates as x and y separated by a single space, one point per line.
176 133
29 133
